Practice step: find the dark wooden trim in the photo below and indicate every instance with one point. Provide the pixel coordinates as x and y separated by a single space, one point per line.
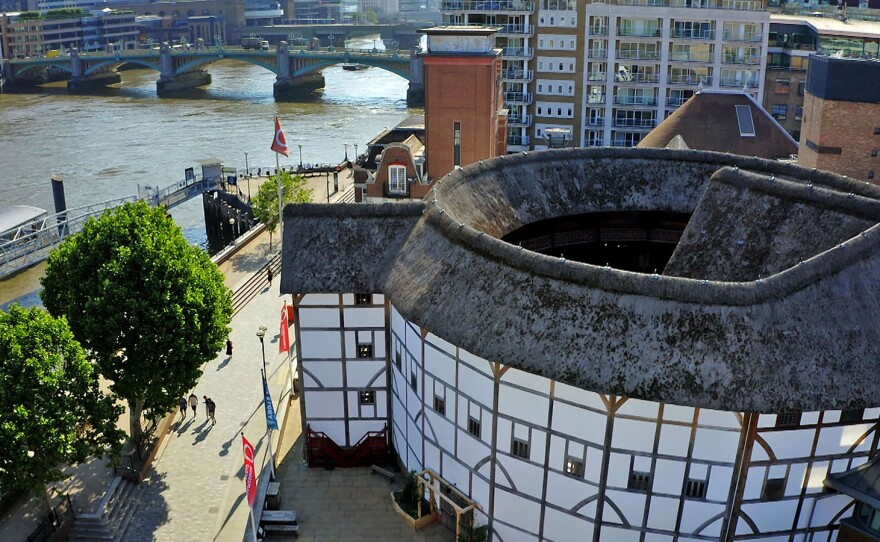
493 449
740 473
606 459
548 434
695 424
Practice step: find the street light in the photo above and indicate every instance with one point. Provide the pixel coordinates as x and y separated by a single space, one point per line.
262 334
247 171
232 227
346 151
355 152
300 156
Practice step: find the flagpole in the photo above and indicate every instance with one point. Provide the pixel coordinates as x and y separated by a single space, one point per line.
280 204
253 522
268 429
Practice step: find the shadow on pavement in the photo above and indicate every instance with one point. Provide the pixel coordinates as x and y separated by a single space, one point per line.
152 510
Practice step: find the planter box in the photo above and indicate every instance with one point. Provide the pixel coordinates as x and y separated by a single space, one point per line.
416 524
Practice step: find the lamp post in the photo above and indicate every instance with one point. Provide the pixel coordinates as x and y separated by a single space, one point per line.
232 227
355 153
262 335
247 172
346 151
300 156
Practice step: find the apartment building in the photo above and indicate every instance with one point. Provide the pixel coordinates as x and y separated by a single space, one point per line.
34 34
609 71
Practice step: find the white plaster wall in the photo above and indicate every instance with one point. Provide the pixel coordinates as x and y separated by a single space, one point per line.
696 513
676 413
633 435
320 344
317 318
577 422
674 440
361 373
318 374
360 316
335 429
559 526
631 505
320 299
519 512
715 445
772 516
663 513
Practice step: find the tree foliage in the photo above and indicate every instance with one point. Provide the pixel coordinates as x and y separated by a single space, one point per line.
149 308
265 203
53 410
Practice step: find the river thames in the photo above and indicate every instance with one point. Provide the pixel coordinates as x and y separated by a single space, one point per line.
106 143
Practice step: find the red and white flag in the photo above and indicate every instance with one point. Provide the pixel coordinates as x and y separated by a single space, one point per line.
284 340
279 145
250 476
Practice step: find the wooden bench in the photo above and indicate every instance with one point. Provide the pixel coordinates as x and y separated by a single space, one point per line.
384 472
273 500
280 528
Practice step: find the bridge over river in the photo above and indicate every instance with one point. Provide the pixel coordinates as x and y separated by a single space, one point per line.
297 69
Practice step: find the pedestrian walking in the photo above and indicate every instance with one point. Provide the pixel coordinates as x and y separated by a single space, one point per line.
269 276
211 407
193 403
182 408
229 347
207 402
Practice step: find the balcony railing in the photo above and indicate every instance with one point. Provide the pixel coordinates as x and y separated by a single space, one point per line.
637 78
596 122
519 120
623 143
732 59
514 52
598 53
740 5
517 141
675 102
690 80
639 33
749 37
518 97
691 34
517 75
635 123
517 29
598 30
689 57
635 100
639 55
596 99
738 84
488 6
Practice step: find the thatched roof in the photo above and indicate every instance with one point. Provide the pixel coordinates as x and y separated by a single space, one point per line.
802 336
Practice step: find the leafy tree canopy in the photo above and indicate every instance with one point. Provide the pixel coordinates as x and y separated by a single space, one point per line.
149 308
53 410
265 203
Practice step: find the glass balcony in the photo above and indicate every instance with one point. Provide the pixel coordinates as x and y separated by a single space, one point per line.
488 6
635 100
517 141
517 52
746 37
636 77
675 102
689 57
736 83
692 80
518 98
596 76
733 59
635 123
596 98
596 122
519 120
639 32
598 30
598 53
517 75
516 30
693 34
639 55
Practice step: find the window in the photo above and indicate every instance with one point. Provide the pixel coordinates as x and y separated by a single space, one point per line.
774 489
798 112
801 86
852 415
398 361
365 351
639 481
367 398
695 489
413 382
780 111
782 86
519 448
877 131
788 419
397 179
873 152
744 118
574 467
870 174
363 299
456 143
440 405
474 427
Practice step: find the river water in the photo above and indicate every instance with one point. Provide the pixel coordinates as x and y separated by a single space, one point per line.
108 142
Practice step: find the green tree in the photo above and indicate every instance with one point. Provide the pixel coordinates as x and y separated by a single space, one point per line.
54 413
371 16
149 308
265 203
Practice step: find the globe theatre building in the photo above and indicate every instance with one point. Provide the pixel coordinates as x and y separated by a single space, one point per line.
605 344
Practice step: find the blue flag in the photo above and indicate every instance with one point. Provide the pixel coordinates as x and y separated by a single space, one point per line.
271 421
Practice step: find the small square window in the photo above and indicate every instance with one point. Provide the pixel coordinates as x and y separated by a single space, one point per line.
440 405
363 299
474 427
520 448
873 152
782 86
774 489
365 350
877 131
853 415
788 419
801 86
398 360
413 382
367 398
574 467
695 489
870 174
639 481
779 111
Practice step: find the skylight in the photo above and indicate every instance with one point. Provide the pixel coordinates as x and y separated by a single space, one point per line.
744 118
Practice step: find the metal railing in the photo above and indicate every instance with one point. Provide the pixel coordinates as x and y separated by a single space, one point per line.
597 53
596 99
636 33
518 141
488 5
691 34
635 100
732 59
596 121
596 76
739 5
748 37
512 52
598 30
518 97
738 84
675 102
688 57
638 55
635 123
519 120
689 80
517 29
637 78
518 75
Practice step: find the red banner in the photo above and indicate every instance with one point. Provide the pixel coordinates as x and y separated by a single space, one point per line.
284 340
279 144
250 477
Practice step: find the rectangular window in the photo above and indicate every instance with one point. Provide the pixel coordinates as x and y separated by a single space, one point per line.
397 179
574 467
782 86
639 481
798 112
368 398
774 489
363 299
440 405
854 415
413 382
365 351
801 86
873 152
474 427
456 143
788 419
519 448
744 118
398 361
780 111
695 489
